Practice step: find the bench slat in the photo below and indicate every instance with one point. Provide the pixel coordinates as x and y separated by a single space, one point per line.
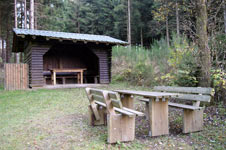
125 112
113 95
98 98
134 111
116 103
96 92
184 106
100 103
193 97
194 90
143 99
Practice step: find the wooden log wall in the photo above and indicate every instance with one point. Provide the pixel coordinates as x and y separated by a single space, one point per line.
104 65
34 58
16 76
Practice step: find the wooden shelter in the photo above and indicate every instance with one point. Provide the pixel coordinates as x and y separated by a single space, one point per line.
47 50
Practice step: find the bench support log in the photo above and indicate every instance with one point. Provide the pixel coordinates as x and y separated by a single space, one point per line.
120 128
128 101
158 117
192 120
91 118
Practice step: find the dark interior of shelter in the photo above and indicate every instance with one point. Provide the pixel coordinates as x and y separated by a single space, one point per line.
63 56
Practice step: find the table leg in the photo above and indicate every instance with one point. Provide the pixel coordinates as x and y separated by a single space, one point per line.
158 117
54 78
78 78
127 101
81 77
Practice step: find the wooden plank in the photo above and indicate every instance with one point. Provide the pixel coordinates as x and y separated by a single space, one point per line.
183 106
192 97
127 101
116 103
114 128
159 124
98 98
195 90
143 99
93 105
127 128
96 91
147 93
192 120
113 95
124 112
133 111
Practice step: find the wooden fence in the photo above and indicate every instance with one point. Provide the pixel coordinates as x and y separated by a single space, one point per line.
16 76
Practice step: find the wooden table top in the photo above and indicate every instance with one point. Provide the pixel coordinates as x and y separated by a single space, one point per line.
68 70
147 93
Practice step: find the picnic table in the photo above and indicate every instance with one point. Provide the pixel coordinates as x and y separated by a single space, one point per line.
156 109
78 70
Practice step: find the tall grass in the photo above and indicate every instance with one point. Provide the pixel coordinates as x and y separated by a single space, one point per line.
140 65
159 64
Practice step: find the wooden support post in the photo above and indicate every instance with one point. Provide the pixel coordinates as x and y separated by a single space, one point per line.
102 113
127 101
81 77
192 120
158 117
54 78
147 110
78 78
120 128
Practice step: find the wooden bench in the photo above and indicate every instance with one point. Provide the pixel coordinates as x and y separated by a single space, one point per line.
120 120
192 113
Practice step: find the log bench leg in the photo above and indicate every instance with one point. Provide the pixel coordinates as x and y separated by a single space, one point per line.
121 128
158 118
102 114
192 120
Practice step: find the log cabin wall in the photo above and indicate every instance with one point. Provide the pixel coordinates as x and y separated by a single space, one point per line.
104 65
34 59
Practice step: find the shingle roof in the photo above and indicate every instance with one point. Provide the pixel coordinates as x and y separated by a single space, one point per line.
69 36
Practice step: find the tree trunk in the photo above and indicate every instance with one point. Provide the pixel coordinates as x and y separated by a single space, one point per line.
35 16
177 16
167 31
224 16
15 13
202 41
77 16
25 14
8 53
141 37
129 24
31 14
3 52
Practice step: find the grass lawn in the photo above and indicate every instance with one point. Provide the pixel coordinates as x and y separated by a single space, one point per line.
57 119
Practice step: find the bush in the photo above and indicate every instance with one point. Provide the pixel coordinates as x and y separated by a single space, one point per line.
219 83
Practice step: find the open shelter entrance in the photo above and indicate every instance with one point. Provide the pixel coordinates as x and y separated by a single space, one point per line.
71 57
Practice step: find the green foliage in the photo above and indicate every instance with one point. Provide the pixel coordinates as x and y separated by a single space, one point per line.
219 83
158 65
183 62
